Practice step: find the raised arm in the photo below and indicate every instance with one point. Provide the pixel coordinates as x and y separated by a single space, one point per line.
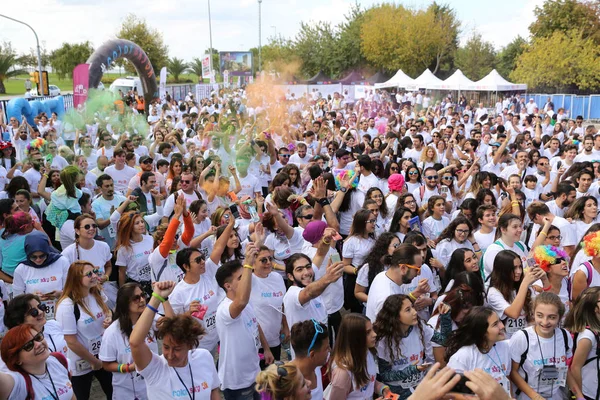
282 223
242 295
221 242
333 273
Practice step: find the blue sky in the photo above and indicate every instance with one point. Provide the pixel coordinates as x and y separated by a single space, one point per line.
184 23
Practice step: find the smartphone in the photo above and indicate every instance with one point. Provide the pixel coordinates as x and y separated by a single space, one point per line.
558 164
234 211
461 386
335 258
531 262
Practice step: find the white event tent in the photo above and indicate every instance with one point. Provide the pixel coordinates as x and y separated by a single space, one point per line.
494 82
457 81
400 79
427 80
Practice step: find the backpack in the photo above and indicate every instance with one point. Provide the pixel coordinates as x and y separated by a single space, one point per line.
29 385
524 355
597 357
590 273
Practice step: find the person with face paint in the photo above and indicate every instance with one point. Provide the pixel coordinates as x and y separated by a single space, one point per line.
405 265
28 358
540 352
311 348
182 368
479 342
44 272
403 343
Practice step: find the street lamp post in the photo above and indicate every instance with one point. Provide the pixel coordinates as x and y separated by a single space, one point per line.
41 87
259 36
210 58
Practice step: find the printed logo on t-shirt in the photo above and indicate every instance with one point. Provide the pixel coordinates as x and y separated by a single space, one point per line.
67 388
195 389
206 297
252 322
41 280
272 294
550 360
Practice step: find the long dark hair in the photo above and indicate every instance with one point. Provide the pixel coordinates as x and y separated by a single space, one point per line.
378 255
472 331
389 328
448 233
455 265
475 282
502 278
121 313
237 252
383 210
459 298
359 223
350 349
17 183
395 224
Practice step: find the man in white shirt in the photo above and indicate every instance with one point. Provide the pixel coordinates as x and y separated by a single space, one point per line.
415 153
301 157
372 130
480 111
367 179
239 331
120 172
531 107
565 195
188 190
422 194
588 150
405 266
283 158
103 207
486 215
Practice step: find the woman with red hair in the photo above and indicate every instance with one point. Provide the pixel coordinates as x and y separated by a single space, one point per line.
34 372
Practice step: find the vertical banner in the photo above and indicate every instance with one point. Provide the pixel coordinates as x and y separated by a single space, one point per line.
162 89
81 78
226 78
206 66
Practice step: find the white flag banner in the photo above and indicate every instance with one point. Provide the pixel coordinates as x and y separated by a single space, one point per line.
162 91
206 66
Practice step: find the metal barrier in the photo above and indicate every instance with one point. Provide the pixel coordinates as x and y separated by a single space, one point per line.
586 106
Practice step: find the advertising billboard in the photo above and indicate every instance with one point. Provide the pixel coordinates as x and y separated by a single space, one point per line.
238 63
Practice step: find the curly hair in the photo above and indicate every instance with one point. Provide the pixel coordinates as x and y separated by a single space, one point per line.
378 255
591 244
545 256
184 329
389 328
472 330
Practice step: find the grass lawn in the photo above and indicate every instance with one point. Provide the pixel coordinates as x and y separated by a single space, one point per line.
16 85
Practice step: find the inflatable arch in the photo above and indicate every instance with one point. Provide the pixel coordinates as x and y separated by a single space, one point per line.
115 49
20 106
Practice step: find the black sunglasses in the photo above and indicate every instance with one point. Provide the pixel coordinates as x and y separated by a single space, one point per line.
136 298
265 259
199 259
89 226
34 312
309 216
148 161
37 338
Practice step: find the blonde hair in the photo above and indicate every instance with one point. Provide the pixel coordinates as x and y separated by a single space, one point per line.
424 154
74 290
278 384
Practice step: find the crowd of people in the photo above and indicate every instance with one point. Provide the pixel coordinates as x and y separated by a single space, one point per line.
395 246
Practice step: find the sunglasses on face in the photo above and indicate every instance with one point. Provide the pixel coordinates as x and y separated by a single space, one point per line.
431 178
95 271
34 312
30 344
264 260
448 178
284 155
138 297
199 259
309 216
413 173
40 257
393 168
186 181
90 226
147 162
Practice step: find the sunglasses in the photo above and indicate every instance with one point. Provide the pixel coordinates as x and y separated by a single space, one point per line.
30 344
309 216
186 181
412 267
413 173
33 257
448 178
265 259
199 259
93 272
138 297
147 162
284 155
318 330
431 178
394 169
559 260
34 312
89 226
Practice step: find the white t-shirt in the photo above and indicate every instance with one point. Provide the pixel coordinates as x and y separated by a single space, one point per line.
445 248
496 362
551 353
98 255
282 247
170 272
164 382
240 341
432 228
357 249
367 391
43 387
208 293
170 202
380 289
135 259
250 186
333 296
121 177
88 329
266 299
499 304
484 240
296 312
55 337
492 251
589 372
115 348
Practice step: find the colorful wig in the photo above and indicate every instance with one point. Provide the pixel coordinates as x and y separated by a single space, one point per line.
591 244
546 256
38 143
342 174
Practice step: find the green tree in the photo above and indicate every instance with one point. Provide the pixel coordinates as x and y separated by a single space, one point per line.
8 62
196 68
506 59
149 39
278 56
562 61
565 15
315 45
176 67
447 44
476 59
348 41
68 56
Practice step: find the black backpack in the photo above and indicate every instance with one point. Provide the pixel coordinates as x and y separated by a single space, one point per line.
524 355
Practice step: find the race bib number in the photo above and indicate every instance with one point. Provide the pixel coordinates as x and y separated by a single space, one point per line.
94 345
50 308
515 325
551 377
411 381
111 231
209 321
144 273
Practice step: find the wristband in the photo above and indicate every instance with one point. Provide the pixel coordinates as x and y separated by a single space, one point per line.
383 389
45 176
151 308
323 202
412 296
543 233
324 242
128 368
249 267
159 297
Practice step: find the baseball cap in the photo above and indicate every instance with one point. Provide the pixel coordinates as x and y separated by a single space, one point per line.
144 158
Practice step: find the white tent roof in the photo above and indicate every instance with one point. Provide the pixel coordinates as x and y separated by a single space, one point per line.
400 79
494 82
457 81
427 80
